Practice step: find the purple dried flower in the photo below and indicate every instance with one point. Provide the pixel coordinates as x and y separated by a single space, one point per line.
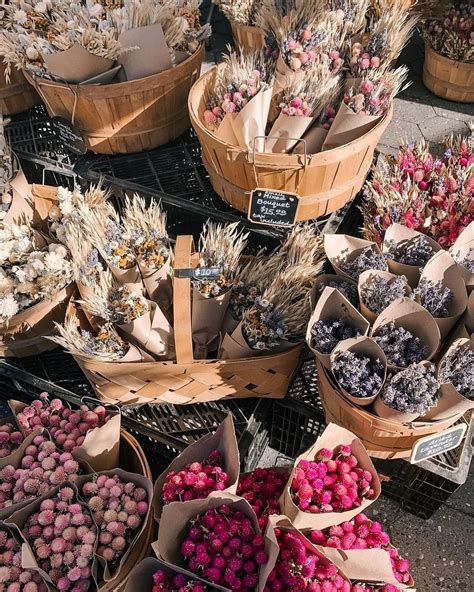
434 297
326 334
457 368
400 347
358 374
413 390
348 290
379 292
416 251
367 259
467 261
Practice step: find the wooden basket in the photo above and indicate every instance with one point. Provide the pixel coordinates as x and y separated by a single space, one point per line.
247 37
187 380
448 79
381 437
17 95
324 181
125 117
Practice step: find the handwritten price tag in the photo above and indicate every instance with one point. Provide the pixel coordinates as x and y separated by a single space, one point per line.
70 137
200 273
437 443
275 208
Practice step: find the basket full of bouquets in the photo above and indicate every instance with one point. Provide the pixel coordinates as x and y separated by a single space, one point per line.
120 73
304 114
169 323
389 334
448 70
241 15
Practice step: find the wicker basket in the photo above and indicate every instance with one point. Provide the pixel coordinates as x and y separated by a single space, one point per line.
324 181
187 380
247 37
17 95
381 437
448 79
126 117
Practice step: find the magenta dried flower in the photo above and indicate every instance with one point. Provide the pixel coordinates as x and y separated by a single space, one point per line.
400 347
367 259
326 334
434 297
378 292
359 375
457 368
413 390
168 581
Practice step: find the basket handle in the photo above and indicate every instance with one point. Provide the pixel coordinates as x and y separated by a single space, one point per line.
183 338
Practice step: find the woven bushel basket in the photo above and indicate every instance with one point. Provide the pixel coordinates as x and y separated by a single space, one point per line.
247 37
125 117
17 95
381 437
448 79
324 181
186 380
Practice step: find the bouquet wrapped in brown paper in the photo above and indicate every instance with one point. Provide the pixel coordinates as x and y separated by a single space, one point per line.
333 320
350 256
346 286
218 450
378 289
334 443
465 327
463 253
408 251
456 367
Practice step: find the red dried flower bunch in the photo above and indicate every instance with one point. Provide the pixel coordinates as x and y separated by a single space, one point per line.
333 482
196 480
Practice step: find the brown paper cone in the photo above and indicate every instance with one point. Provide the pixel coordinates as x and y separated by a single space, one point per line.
464 247
456 343
443 267
314 139
250 122
235 347
151 332
225 131
21 207
286 127
129 277
450 404
347 248
207 317
223 440
367 347
157 283
76 64
135 354
152 55
285 76
348 126
332 437
365 277
413 317
139 481
403 236
321 282
333 305
273 549
229 324
383 410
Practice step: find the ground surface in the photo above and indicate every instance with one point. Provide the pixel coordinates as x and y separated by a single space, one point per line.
440 548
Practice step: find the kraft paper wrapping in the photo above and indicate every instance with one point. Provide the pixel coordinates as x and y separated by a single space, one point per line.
442 267
273 549
330 306
285 76
75 64
151 332
139 481
367 347
403 237
386 412
314 139
348 126
28 559
450 404
207 317
251 121
131 278
410 315
229 324
284 127
150 56
323 280
176 517
225 131
21 207
141 577
366 276
223 440
332 437
457 343
235 347
157 283
347 248
464 247
101 446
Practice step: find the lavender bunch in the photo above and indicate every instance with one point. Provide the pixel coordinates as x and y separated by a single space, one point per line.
348 290
400 347
326 334
413 390
458 369
379 292
263 326
414 252
434 297
467 261
367 259
359 375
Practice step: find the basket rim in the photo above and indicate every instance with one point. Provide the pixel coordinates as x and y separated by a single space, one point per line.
453 63
320 158
129 85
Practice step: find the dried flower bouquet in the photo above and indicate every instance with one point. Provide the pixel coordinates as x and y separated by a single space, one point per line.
451 34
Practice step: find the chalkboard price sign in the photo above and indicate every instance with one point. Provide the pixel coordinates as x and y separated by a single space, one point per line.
200 273
69 135
275 208
437 443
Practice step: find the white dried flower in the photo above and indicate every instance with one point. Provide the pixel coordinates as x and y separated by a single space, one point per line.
8 307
